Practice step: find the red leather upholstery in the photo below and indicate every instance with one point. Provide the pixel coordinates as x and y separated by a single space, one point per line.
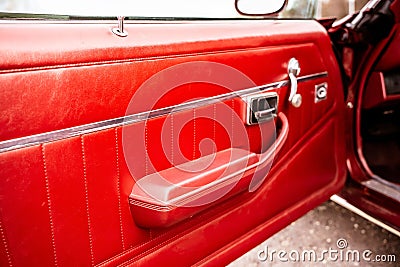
66 202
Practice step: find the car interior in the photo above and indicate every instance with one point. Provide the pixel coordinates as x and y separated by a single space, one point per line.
380 120
370 61
69 196
161 142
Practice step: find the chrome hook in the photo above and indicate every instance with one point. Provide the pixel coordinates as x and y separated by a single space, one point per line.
294 71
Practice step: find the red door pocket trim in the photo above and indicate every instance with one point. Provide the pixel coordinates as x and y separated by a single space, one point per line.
167 197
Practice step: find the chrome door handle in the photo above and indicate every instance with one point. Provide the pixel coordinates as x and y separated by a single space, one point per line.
294 71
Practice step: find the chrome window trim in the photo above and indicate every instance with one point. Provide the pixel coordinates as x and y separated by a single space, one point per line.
37 139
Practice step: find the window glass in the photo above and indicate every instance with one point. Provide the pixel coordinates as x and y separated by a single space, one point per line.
303 9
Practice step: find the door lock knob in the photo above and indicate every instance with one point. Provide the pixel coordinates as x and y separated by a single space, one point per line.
297 100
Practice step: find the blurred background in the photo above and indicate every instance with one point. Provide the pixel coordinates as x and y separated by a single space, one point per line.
322 8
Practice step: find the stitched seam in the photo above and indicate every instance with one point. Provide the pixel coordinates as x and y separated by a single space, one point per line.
232 123
146 159
130 60
172 139
5 243
194 134
146 156
87 201
119 189
214 127
49 205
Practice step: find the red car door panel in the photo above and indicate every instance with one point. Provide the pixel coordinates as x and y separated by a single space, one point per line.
84 118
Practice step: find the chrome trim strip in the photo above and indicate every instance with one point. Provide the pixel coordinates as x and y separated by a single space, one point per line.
37 139
383 189
342 202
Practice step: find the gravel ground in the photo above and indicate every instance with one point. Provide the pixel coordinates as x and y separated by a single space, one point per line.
319 230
